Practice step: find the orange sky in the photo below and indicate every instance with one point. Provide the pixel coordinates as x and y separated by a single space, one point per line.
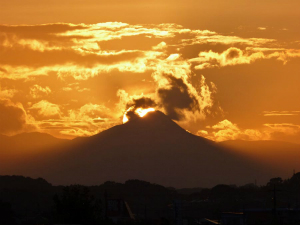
221 69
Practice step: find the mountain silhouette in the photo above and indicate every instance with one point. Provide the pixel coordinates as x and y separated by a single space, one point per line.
152 148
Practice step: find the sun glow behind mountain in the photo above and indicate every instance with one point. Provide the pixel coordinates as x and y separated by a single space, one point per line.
141 112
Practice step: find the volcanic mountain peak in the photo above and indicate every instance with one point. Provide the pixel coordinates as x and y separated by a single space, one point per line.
156 119
153 125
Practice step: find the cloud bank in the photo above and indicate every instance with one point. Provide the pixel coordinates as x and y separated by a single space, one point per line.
78 79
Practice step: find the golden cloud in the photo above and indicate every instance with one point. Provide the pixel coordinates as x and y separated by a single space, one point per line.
7 93
36 91
87 120
90 112
86 53
226 130
281 113
235 56
75 50
45 109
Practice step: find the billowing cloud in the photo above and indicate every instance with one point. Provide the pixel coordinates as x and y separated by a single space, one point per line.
226 130
181 100
129 103
44 109
176 97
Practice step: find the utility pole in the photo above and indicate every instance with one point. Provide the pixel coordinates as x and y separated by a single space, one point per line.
275 204
105 205
274 200
145 211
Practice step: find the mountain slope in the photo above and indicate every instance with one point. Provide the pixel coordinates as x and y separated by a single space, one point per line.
152 148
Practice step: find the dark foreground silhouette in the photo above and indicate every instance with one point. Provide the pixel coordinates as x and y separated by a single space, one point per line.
24 200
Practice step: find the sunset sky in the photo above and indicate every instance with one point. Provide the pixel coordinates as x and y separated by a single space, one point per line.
223 70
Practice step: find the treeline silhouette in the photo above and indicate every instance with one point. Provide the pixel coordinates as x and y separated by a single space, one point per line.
24 200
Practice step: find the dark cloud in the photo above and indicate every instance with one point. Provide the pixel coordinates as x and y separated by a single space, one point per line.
143 102
12 117
233 53
177 98
131 115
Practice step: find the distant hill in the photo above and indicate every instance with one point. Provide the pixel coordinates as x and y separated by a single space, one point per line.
282 157
23 183
29 141
26 150
152 148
